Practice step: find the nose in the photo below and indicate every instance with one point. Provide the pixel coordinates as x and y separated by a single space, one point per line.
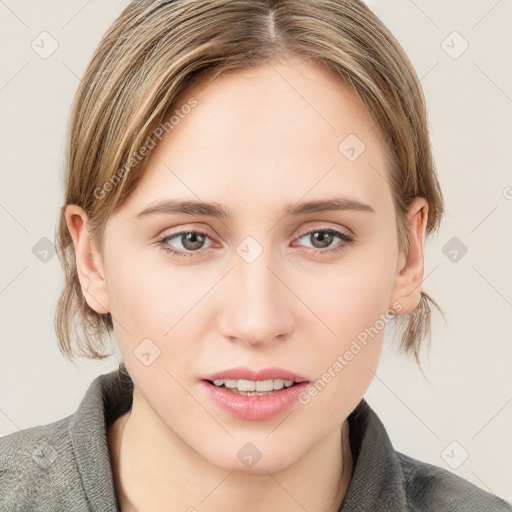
258 307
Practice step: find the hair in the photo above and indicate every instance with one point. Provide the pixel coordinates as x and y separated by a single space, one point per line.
156 50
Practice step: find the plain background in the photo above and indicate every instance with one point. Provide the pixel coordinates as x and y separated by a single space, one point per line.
464 409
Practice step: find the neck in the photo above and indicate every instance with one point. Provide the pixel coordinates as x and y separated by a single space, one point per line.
148 478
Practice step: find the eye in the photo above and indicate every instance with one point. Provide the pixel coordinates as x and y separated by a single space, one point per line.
321 239
191 240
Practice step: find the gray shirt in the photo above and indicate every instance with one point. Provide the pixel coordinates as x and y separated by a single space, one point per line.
65 465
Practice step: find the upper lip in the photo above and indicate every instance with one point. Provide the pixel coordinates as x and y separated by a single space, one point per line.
270 373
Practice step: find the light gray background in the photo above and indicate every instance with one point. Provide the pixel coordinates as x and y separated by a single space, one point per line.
468 396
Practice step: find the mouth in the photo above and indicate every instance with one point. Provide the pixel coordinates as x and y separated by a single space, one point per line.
252 387
257 399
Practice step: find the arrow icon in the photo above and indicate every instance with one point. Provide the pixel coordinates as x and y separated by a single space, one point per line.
454 249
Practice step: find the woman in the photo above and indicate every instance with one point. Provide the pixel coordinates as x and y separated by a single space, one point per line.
249 189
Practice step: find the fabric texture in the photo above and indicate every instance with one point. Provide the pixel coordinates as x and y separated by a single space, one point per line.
65 465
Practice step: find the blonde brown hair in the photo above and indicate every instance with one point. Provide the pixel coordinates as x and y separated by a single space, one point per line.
156 49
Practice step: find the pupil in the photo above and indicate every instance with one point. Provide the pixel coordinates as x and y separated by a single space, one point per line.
324 237
192 241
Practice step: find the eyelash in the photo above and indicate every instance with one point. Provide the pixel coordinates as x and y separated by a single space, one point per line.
347 239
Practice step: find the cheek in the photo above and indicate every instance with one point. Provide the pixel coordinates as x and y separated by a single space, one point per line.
144 295
353 309
356 312
132 293
353 298
154 306
357 323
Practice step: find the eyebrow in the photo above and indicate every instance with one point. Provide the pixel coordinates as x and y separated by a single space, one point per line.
218 210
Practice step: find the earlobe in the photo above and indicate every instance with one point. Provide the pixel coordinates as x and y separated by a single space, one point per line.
410 267
88 260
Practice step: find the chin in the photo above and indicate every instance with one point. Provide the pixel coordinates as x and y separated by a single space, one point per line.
253 458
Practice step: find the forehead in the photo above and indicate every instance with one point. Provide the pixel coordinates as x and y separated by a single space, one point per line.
279 131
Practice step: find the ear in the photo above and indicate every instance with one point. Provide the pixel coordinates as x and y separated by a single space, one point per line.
410 267
88 260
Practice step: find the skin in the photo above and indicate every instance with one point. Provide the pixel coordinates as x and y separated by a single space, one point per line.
258 141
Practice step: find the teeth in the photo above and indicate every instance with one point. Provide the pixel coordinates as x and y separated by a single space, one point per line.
278 383
251 385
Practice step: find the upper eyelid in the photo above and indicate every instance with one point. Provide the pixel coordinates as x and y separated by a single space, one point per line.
306 231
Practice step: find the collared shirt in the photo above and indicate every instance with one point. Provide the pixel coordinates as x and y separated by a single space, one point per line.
65 465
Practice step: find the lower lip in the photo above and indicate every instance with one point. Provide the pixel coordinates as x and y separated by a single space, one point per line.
256 407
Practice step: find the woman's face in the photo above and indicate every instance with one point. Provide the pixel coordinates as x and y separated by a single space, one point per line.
263 287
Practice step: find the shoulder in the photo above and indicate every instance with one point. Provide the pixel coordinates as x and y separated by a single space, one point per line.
430 487
38 469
